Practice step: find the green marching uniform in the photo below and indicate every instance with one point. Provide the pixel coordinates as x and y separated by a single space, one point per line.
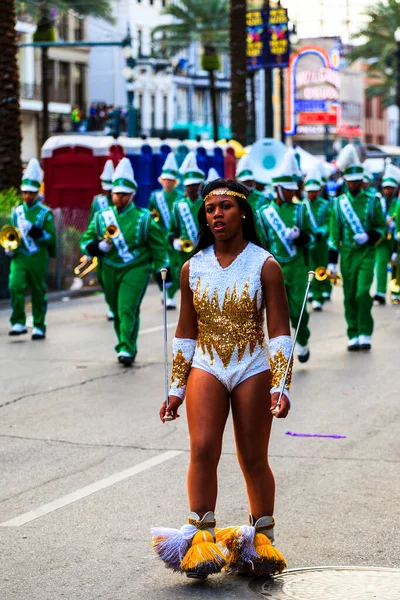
127 266
356 216
256 199
184 225
272 222
30 260
319 215
163 202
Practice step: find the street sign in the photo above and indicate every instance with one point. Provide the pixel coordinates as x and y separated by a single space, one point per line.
256 31
277 48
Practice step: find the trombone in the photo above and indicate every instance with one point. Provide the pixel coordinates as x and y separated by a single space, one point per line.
322 274
87 264
10 237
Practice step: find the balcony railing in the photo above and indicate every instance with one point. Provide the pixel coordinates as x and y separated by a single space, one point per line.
33 91
30 91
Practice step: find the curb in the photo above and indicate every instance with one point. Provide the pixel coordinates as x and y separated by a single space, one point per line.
57 296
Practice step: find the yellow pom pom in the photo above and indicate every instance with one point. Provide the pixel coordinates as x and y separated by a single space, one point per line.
202 536
268 553
203 556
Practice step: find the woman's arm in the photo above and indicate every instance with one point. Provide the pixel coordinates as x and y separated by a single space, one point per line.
278 324
183 347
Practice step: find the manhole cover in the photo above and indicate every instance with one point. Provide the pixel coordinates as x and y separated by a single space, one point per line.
331 583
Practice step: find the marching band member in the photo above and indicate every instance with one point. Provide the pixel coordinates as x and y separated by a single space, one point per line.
160 204
128 241
285 230
100 202
318 211
384 247
244 174
184 227
29 261
220 360
356 224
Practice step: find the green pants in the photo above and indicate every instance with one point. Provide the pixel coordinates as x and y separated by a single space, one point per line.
357 268
318 257
383 254
29 272
100 278
295 276
124 289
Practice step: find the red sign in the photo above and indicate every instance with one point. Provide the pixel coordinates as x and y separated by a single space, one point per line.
317 118
350 131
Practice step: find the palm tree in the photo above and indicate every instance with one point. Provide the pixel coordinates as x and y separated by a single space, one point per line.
203 21
379 48
10 116
238 35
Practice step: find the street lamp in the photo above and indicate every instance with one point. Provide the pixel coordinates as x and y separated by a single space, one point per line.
397 39
128 74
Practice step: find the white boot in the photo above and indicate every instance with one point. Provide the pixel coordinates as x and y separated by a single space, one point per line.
365 342
303 353
38 334
110 315
353 345
317 306
171 304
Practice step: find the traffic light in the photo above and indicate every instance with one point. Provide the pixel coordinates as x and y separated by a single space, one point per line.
113 123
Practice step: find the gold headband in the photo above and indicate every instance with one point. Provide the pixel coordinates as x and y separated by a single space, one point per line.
225 192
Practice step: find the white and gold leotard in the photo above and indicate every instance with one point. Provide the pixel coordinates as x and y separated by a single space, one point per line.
230 308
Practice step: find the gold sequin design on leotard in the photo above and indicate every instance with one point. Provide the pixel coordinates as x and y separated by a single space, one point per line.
238 324
278 369
180 369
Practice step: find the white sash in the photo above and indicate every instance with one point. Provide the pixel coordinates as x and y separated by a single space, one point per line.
189 221
163 208
279 228
119 240
102 202
383 204
350 215
313 221
24 226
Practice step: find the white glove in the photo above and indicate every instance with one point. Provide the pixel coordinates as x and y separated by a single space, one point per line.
390 225
361 238
332 268
9 253
177 244
393 258
105 246
292 233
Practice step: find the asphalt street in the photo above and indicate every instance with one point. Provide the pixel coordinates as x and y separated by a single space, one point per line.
87 468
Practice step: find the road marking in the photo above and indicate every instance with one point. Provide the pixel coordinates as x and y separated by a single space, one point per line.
157 328
91 489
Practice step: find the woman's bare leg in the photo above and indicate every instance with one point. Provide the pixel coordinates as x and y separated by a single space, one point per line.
207 409
252 421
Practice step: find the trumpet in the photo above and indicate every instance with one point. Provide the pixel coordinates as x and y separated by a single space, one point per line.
10 237
87 264
186 246
156 215
322 274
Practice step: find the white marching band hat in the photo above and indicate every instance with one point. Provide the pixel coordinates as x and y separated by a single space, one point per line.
289 172
33 177
170 168
391 176
349 164
123 179
313 181
107 176
190 171
244 171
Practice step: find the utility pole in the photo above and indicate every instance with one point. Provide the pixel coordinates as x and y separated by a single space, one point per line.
269 110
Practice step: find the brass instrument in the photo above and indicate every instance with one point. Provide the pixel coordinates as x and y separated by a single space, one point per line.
394 283
156 215
87 264
322 274
10 237
186 246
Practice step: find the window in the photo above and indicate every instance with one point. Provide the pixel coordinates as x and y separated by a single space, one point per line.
165 112
368 138
139 42
63 28
368 108
153 111
79 29
381 140
63 77
381 110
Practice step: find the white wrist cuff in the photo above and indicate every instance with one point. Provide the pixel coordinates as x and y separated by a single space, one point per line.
279 351
182 352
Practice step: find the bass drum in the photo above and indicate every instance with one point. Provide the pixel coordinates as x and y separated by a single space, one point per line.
266 156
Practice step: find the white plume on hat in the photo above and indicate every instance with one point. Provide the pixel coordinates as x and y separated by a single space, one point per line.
244 170
124 178
212 175
107 175
391 176
324 175
170 168
349 163
190 171
33 177
368 176
289 172
313 181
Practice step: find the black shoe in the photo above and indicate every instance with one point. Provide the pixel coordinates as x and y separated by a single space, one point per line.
304 357
381 300
15 333
365 346
354 348
126 360
38 336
